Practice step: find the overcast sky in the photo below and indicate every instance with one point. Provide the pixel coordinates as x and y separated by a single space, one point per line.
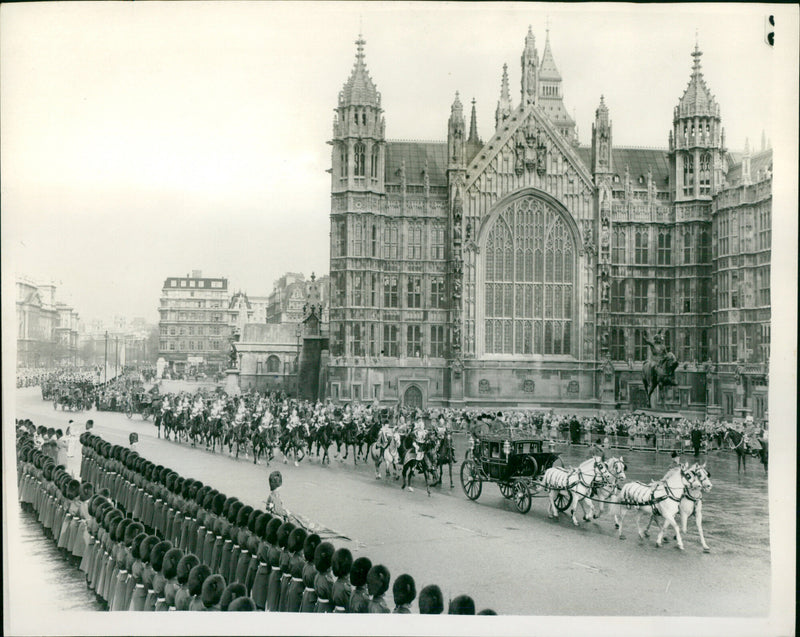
144 140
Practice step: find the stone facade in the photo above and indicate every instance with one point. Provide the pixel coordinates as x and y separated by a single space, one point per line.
525 269
47 330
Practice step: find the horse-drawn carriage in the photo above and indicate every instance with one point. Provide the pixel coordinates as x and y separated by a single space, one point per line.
515 464
142 402
72 399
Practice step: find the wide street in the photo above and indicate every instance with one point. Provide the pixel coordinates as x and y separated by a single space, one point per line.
515 564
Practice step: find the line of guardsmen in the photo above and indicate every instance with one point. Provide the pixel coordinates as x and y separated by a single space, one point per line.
148 539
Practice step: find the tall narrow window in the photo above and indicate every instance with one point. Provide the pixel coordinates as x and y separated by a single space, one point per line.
390 341
529 279
437 243
437 292
359 167
639 346
618 247
687 247
705 247
358 290
618 344
373 168
414 296
343 163
618 295
415 243
414 341
357 342
358 239
390 291
641 247
640 295
390 241
688 174
705 174
437 341
664 247
664 289
374 241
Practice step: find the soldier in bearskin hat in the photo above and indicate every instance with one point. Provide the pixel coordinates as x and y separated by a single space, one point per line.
309 601
404 591
377 584
323 579
341 566
232 591
359 597
169 571
294 594
197 576
462 605
431 601
212 591
182 596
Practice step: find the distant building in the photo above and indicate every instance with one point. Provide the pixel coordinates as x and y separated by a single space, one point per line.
196 323
289 294
47 330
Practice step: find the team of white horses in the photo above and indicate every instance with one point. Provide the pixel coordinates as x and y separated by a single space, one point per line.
678 493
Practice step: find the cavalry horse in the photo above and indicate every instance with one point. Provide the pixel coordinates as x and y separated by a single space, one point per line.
692 504
581 482
292 441
659 498
658 375
386 449
420 459
445 455
739 445
348 436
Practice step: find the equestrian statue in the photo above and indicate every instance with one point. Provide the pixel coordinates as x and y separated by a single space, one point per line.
659 369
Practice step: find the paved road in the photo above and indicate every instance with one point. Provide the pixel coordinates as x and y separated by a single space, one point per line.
516 564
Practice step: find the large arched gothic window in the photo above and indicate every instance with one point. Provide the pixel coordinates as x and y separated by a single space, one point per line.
529 281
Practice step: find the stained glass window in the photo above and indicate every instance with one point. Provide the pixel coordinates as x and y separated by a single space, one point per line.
529 281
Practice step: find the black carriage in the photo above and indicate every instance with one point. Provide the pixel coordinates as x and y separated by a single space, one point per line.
516 464
141 402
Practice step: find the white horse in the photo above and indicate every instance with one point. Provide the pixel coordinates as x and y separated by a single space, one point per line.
386 450
606 492
580 482
659 498
692 503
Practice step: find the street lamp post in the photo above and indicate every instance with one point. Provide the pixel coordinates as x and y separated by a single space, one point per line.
105 361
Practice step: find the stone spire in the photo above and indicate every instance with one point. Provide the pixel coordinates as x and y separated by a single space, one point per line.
530 69
359 90
697 100
548 69
503 111
473 126
456 139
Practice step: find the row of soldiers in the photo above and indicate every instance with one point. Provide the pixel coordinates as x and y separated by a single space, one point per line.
149 539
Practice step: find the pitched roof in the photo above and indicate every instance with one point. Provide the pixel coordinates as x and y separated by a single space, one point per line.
638 161
415 154
758 162
697 99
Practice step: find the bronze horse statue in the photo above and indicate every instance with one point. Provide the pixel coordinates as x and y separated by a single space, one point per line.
660 374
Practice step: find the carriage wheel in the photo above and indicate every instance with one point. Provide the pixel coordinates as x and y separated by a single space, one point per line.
470 481
507 489
522 496
556 462
529 466
562 500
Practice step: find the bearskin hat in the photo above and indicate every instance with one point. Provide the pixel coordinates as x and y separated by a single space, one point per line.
47 470
226 507
212 590
105 491
87 491
378 580
359 570
73 489
283 533
219 503
275 480
132 531
260 525
110 516
185 565
120 528
272 531
136 544
323 556
431 601
170 480
462 605
201 494
296 539
342 562
263 552
82 437
200 516
242 604
252 545
310 546
233 511
252 516
146 548
404 590
243 515
487 611
232 591
169 566
197 576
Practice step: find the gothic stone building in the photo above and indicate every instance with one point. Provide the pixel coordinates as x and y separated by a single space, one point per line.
526 270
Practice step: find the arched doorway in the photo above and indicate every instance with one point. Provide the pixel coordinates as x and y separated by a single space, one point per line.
412 398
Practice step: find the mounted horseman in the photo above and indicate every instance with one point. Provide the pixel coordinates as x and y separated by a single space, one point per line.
659 369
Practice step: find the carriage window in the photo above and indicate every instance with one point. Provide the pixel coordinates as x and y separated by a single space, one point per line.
495 450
